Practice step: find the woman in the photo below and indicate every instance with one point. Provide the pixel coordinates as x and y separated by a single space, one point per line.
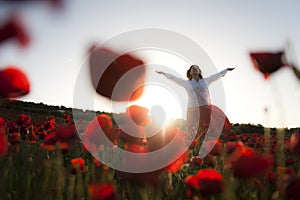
198 95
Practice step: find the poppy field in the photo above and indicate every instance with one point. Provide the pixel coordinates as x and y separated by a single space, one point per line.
48 160
46 152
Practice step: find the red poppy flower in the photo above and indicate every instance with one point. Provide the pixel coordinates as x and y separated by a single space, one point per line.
49 141
250 165
13 83
176 165
103 191
2 123
12 127
24 120
210 182
49 124
246 163
207 182
93 134
97 162
268 62
293 144
139 115
3 144
113 67
133 130
217 146
287 174
42 134
242 150
14 28
14 138
64 136
78 165
192 182
66 133
67 118
31 137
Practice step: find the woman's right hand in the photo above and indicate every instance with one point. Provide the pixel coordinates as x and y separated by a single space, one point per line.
160 72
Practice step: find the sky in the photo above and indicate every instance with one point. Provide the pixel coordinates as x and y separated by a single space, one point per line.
226 31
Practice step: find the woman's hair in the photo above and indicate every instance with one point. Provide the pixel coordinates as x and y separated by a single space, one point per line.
189 70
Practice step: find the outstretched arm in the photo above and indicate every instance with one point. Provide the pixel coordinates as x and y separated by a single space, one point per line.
177 80
216 76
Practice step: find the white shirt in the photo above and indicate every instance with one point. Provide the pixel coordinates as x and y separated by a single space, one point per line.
198 93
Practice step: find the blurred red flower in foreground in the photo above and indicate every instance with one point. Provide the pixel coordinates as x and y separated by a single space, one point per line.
210 181
3 144
66 133
14 28
104 191
13 83
3 139
292 190
244 162
248 166
207 182
2 123
268 62
110 70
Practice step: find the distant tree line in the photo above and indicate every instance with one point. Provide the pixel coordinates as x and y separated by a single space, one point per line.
88 115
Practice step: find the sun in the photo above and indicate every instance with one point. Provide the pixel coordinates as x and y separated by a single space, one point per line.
163 104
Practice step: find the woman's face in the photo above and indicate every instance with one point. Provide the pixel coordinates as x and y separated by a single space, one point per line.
195 71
